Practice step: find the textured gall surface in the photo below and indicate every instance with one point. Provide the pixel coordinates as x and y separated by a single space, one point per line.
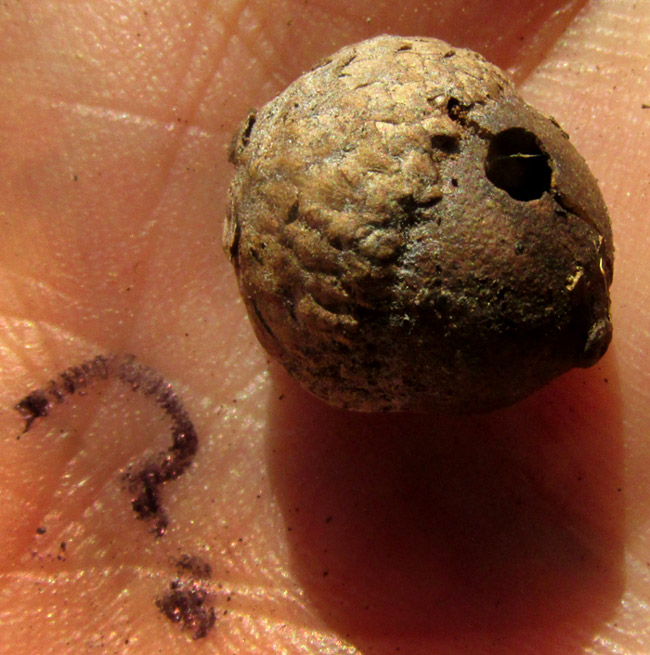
409 234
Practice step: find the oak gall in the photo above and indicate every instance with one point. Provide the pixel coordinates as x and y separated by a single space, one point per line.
409 234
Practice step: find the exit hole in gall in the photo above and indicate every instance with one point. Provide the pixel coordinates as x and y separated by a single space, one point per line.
517 164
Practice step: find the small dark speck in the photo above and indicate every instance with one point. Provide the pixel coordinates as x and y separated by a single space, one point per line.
519 248
193 566
281 396
606 380
75 178
620 489
33 406
325 573
63 545
41 530
188 605
645 106
328 519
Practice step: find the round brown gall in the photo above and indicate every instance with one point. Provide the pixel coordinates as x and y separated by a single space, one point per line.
409 234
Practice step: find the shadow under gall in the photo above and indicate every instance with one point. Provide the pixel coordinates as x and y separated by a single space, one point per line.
488 529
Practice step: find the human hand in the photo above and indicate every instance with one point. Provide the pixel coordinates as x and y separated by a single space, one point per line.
328 532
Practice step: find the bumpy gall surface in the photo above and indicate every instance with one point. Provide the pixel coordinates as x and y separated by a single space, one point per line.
409 234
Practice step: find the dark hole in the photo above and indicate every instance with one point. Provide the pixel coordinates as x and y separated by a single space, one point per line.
456 110
447 143
452 106
294 213
516 163
246 134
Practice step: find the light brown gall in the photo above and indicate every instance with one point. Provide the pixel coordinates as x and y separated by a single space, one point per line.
409 234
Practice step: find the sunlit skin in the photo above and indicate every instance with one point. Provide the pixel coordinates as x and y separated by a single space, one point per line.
522 531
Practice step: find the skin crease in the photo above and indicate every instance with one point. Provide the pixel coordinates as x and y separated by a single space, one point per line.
523 531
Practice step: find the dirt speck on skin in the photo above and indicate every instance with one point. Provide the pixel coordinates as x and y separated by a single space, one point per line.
188 604
187 601
193 566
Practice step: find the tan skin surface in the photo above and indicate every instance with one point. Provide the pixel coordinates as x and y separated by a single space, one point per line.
523 531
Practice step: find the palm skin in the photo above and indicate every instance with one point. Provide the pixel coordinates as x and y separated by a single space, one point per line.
525 530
